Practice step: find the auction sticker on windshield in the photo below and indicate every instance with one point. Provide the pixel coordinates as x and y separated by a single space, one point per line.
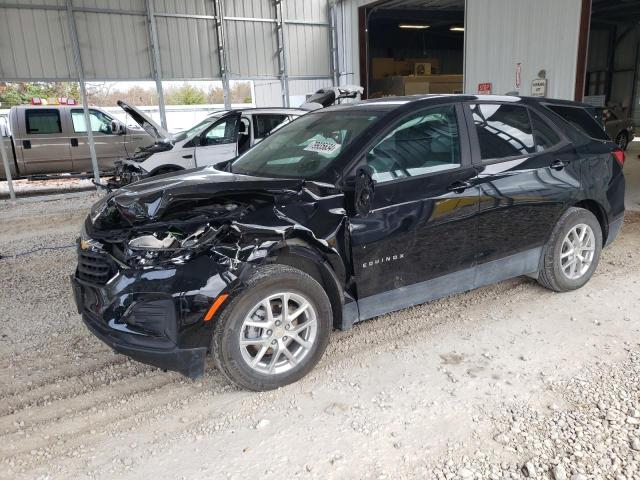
319 146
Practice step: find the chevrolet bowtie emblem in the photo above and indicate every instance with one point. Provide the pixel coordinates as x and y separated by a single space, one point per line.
84 244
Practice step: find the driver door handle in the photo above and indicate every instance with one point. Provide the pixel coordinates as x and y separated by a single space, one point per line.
187 156
459 187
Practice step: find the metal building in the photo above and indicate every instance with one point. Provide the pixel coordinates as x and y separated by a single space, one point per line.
290 48
285 46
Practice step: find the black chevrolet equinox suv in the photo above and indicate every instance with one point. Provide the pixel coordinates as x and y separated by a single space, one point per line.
345 214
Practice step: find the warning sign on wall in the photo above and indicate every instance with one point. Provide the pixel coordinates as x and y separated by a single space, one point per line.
539 87
484 89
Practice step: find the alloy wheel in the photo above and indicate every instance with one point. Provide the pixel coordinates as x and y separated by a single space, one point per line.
577 252
278 333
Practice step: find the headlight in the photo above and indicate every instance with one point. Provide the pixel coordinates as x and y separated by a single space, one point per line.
169 246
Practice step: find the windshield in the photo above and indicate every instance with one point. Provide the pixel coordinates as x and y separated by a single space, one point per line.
183 135
306 147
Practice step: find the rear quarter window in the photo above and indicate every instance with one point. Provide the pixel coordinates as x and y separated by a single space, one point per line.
43 121
581 120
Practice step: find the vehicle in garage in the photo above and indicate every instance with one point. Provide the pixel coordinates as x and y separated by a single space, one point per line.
348 213
619 125
53 139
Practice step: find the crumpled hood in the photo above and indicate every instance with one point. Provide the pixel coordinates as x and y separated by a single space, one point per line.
184 193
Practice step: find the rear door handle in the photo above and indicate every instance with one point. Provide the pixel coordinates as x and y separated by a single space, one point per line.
459 187
26 144
74 142
558 164
187 156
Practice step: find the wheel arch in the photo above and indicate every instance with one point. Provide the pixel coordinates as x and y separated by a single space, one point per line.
307 259
598 210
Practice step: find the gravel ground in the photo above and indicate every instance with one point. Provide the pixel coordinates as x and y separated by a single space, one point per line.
509 381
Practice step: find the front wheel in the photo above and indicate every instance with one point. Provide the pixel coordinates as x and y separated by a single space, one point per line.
275 331
572 253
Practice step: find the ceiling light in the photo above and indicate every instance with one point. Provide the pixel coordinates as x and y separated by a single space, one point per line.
457 29
417 27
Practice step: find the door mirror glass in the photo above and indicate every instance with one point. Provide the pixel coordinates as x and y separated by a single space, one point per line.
364 190
117 127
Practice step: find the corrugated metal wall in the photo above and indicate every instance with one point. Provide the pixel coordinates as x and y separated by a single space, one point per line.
539 35
116 42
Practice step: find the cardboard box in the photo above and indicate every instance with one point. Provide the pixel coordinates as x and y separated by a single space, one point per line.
412 85
382 67
421 68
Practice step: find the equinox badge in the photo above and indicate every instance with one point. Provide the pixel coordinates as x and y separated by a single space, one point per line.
389 258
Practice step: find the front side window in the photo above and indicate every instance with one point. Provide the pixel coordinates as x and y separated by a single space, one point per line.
222 132
100 123
426 142
307 147
263 124
43 121
503 130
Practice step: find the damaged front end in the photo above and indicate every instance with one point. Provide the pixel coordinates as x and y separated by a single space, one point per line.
155 256
129 170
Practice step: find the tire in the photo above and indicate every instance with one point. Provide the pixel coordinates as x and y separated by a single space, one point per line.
271 282
622 140
555 269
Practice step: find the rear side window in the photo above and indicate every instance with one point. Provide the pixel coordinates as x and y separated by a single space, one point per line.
503 130
43 121
580 119
545 136
263 124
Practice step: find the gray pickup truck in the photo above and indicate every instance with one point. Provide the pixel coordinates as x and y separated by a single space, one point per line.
52 139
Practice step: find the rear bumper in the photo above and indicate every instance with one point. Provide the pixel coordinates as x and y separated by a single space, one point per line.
614 229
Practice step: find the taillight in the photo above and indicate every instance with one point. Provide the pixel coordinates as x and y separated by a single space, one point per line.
618 154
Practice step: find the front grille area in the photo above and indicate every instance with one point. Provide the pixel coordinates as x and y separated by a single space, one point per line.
95 267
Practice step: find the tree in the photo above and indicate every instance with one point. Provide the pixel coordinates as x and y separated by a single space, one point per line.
16 93
184 95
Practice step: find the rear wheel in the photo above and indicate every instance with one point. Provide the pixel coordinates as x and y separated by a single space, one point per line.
572 253
275 331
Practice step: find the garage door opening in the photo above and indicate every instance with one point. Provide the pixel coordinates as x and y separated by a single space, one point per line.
412 47
612 80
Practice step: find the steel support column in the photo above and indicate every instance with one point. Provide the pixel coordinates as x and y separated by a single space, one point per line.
5 162
282 53
73 33
222 58
333 44
155 56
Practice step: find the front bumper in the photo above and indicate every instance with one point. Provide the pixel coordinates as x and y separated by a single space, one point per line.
187 361
155 316
126 172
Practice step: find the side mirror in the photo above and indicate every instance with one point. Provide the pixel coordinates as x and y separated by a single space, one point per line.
364 190
118 128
